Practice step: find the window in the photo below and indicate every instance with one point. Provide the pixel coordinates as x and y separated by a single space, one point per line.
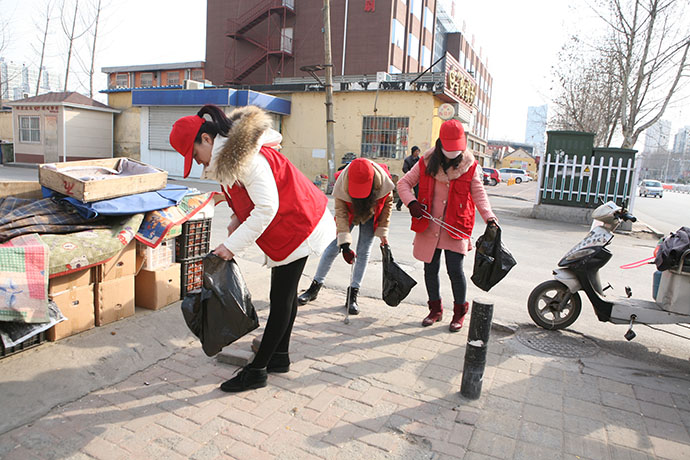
426 57
147 79
30 129
385 137
122 80
173 78
428 19
198 75
413 47
398 34
416 8
392 69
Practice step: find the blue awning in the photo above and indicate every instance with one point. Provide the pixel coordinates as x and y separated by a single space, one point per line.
217 96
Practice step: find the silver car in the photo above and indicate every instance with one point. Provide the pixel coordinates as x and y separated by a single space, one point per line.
651 188
520 175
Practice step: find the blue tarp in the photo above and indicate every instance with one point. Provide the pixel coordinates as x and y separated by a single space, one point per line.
126 205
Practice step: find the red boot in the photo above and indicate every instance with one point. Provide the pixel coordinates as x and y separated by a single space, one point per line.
435 313
459 312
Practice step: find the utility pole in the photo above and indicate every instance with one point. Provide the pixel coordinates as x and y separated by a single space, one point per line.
328 64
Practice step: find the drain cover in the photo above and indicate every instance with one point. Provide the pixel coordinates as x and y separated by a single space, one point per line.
557 343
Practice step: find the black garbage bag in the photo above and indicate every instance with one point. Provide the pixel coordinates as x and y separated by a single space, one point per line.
671 249
396 283
222 311
492 261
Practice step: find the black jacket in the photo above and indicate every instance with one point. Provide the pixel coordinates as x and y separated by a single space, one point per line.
672 248
409 162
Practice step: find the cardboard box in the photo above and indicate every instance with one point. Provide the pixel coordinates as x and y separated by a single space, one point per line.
78 307
70 281
114 300
21 189
67 178
123 264
156 289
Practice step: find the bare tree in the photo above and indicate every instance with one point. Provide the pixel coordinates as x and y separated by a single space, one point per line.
652 48
43 30
641 61
71 34
588 91
89 67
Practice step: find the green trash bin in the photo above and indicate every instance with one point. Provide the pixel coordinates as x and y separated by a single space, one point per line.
7 149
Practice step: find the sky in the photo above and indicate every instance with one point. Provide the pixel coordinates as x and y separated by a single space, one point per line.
519 40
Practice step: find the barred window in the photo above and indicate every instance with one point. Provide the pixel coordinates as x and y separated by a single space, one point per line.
30 129
147 79
173 78
122 80
385 137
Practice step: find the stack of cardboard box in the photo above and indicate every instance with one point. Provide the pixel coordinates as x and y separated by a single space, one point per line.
158 281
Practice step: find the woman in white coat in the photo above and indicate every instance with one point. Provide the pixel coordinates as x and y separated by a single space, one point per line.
274 205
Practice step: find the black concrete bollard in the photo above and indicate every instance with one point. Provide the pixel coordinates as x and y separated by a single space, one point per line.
475 352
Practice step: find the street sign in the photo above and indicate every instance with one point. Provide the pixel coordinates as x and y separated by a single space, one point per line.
587 172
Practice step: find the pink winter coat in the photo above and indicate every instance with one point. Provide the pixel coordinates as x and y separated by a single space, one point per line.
434 237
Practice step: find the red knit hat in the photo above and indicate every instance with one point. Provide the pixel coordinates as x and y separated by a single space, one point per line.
360 177
452 136
182 137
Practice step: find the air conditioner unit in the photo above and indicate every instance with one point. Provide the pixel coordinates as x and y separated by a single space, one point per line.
193 84
382 76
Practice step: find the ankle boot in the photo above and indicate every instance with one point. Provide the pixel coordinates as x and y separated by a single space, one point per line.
351 304
459 312
310 294
435 313
247 379
279 363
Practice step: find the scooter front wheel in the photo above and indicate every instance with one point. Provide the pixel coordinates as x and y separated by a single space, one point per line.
552 306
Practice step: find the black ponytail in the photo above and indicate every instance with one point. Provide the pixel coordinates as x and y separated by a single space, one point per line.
439 160
220 123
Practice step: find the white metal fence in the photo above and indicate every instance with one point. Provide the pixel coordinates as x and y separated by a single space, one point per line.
585 181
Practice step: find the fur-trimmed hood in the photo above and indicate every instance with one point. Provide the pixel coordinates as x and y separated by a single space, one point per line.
452 174
251 128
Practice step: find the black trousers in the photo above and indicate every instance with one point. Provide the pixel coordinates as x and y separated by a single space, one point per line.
456 274
283 309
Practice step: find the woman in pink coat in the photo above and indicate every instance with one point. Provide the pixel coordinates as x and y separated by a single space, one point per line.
450 187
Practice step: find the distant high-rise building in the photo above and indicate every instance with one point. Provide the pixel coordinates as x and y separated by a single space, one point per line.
657 137
18 81
681 141
536 127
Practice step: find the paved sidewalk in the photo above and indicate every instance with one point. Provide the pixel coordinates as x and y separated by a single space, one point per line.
381 387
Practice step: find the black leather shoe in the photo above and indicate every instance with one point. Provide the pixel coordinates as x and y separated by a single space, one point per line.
310 294
351 305
279 363
247 379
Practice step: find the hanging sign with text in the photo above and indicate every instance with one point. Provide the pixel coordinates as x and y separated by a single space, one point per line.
459 85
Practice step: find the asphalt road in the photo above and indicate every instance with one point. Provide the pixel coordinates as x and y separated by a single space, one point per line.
666 214
537 246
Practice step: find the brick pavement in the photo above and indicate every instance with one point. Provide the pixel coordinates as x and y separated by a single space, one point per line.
381 387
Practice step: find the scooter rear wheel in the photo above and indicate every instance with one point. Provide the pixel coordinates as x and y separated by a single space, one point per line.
544 305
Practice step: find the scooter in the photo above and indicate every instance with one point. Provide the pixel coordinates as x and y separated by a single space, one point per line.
556 304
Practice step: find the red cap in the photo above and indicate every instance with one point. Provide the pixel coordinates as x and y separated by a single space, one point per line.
452 136
360 176
182 137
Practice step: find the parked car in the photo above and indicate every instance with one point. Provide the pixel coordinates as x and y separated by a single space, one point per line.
651 188
520 175
491 176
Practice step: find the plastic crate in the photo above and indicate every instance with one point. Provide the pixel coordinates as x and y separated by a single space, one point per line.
25 345
191 275
159 257
195 239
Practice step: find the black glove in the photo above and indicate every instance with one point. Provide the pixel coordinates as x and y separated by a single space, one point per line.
348 254
415 209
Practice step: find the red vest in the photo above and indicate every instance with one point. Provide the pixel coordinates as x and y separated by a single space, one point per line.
459 207
301 207
379 203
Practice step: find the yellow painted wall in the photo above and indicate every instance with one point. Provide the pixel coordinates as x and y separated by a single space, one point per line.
305 128
519 159
6 126
127 135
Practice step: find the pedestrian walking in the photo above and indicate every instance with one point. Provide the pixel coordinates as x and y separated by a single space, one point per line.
450 188
363 198
408 163
275 206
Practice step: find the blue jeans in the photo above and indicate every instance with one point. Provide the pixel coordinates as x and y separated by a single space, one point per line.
455 273
364 243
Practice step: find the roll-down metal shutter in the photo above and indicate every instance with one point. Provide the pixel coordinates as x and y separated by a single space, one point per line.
161 120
